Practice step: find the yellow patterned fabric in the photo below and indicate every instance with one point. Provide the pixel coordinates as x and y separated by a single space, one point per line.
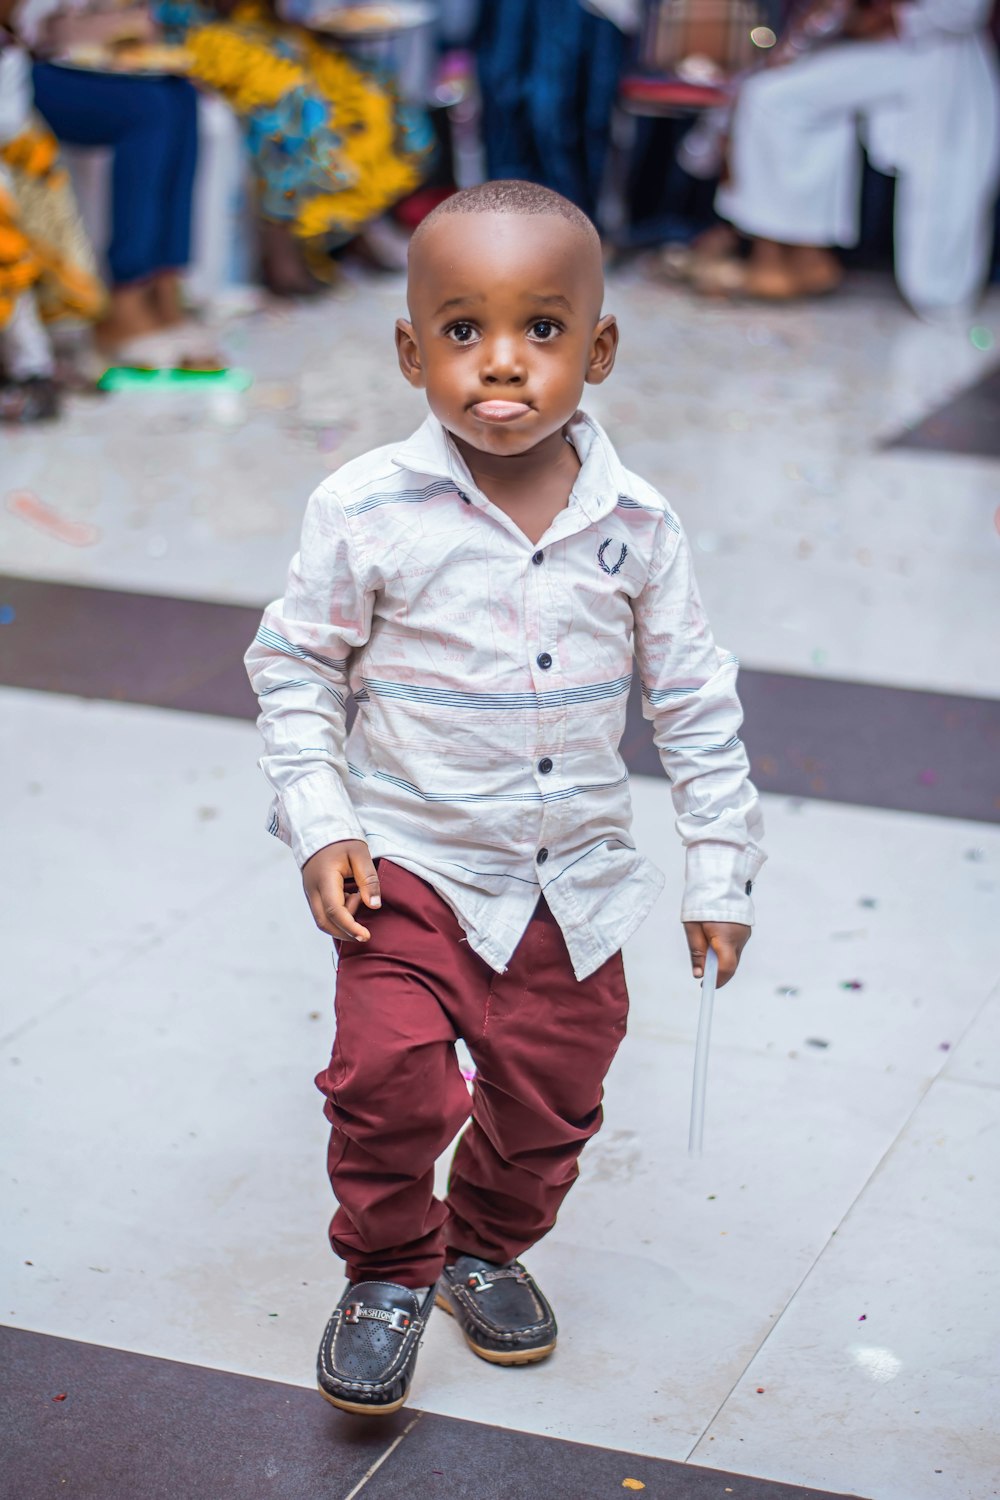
43 243
332 145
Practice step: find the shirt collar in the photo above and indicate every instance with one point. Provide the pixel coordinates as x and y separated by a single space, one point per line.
601 480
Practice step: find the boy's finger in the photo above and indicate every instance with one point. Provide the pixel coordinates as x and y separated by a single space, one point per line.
697 947
340 923
331 913
366 877
729 957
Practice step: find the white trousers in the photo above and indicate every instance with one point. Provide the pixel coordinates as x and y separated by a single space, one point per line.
24 343
931 114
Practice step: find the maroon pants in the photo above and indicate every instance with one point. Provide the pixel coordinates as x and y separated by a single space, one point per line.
542 1042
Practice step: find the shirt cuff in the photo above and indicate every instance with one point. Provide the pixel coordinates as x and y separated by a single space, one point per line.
313 812
719 881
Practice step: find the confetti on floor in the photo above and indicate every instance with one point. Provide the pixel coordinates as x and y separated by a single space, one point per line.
7 614
27 507
787 989
633 1484
851 984
816 1041
869 902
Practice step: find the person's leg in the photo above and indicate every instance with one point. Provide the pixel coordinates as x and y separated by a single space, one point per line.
545 1047
142 123
794 154
946 191
395 1094
181 100
29 393
27 346
794 163
555 91
604 51
502 53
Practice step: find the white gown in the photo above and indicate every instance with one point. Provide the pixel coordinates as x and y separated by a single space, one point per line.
928 106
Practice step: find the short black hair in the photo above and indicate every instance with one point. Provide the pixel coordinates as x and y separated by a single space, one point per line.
509 195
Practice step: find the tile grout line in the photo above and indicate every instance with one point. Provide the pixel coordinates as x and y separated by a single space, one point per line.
368 1474
873 1174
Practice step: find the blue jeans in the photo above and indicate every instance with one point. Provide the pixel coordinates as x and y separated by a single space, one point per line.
549 73
151 125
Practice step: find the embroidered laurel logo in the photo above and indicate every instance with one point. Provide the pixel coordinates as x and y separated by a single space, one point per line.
602 549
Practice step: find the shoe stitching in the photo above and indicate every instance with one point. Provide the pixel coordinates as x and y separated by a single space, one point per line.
544 1312
390 1375
464 1299
392 1372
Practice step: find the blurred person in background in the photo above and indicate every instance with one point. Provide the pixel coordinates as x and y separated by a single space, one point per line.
150 125
332 146
921 78
47 266
549 73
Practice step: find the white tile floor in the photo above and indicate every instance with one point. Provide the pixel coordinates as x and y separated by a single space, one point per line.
758 423
170 1003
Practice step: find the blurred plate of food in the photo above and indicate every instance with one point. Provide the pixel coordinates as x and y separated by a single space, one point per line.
357 22
150 59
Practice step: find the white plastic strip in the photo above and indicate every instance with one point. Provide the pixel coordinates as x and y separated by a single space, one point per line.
697 1130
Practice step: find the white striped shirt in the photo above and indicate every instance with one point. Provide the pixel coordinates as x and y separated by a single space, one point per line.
491 676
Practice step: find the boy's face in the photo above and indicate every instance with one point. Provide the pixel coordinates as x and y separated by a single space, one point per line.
506 326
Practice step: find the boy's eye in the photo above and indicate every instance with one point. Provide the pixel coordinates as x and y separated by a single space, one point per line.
544 330
461 333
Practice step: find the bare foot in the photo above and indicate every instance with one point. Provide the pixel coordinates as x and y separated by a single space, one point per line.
131 315
717 243
283 263
779 272
816 269
775 273
165 291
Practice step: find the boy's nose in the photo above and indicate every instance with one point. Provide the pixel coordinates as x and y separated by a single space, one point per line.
502 365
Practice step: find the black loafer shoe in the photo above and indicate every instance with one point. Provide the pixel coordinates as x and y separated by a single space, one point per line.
500 1310
369 1349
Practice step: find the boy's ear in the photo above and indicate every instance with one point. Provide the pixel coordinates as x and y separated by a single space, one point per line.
605 347
408 353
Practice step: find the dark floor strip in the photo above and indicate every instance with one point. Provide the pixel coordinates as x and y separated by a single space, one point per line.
811 737
969 423
93 1423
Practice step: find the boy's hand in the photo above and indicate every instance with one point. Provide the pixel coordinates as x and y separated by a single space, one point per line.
324 876
727 938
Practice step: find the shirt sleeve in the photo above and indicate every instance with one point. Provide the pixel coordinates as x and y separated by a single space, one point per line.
298 666
918 19
689 694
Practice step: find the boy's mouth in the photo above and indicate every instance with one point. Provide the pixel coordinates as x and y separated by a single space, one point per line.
500 411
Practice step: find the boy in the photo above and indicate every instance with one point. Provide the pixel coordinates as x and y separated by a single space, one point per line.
478 589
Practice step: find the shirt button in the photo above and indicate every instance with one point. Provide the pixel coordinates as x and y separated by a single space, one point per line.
542 856
463 496
545 765
544 660
537 558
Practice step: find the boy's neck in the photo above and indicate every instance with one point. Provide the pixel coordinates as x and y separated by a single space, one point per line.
547 467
